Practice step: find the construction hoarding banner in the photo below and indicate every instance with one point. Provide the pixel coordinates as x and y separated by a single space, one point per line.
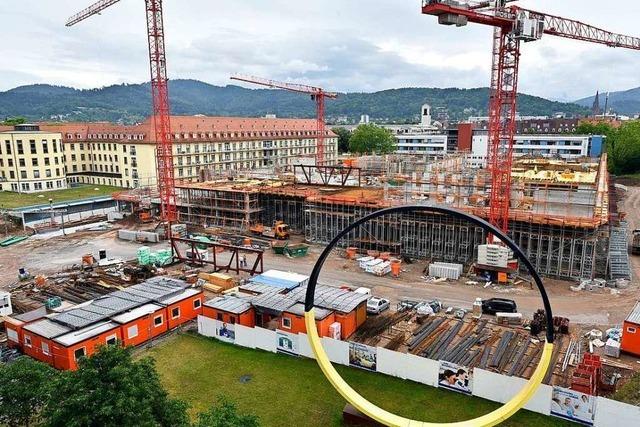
225 332
287 343
573 405
362 356
455 377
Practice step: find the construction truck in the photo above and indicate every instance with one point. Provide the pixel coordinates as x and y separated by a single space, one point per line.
279 231
635 245
145 217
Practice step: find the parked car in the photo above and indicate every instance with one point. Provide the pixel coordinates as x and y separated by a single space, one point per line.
377 305
499 305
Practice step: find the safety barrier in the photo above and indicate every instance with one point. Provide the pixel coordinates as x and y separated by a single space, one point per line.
487 385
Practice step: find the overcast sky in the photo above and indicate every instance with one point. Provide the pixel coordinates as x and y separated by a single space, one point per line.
344 45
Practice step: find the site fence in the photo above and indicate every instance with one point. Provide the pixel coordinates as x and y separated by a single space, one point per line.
600 411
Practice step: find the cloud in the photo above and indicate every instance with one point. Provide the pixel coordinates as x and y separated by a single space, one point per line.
344 45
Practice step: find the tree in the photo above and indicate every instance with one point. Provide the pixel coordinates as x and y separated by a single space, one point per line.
372 139
601 128
25 388
11 121
624 149
343 139
111 389
225 414
623 144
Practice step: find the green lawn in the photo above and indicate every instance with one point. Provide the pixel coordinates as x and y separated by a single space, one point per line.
10 200
635 176
290 391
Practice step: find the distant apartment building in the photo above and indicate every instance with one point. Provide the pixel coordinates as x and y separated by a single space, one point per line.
423 138
557 145
534 125
31 159
125 156
421 143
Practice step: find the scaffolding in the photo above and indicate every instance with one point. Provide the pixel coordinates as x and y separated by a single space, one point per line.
559 215
229 208
555 251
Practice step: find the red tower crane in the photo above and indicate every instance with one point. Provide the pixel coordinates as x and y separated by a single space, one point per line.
317 94
160 96
512 25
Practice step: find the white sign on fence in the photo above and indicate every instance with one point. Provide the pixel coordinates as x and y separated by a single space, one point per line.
265 339
245 336
337 351
501 388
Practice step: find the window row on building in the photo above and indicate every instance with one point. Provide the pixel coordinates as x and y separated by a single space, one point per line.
28 150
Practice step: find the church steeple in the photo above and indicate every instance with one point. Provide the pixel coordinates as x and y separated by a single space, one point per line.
595 109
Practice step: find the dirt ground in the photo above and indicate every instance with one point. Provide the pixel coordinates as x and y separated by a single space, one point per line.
596 308
46 256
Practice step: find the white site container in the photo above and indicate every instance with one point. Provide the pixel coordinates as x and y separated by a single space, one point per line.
441 271
458 267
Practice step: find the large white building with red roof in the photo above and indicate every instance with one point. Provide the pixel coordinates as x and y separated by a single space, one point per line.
124 156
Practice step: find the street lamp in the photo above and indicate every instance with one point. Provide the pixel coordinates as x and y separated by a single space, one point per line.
51 209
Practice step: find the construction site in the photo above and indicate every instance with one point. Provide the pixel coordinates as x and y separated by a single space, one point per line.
228 252
563 214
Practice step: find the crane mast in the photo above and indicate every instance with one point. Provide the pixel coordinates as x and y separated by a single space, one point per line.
318 95
512 25
160 97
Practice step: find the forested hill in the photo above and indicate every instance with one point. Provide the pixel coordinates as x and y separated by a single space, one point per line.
623 102
131 103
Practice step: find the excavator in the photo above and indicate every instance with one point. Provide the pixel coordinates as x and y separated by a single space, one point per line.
279 231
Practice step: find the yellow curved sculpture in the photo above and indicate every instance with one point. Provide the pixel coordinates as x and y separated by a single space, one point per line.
389 419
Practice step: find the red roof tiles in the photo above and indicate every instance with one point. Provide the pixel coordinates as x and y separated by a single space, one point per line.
189 128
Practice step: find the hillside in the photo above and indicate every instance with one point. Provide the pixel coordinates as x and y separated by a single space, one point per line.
625 102
131 103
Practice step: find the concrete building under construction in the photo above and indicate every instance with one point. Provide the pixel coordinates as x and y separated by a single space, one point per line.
563 213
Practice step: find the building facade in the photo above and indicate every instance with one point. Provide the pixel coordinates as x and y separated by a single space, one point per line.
125 156
132 316
31 160
421 143
426 137
558 145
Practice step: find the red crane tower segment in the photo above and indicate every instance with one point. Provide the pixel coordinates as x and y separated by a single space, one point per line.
160 97
317 94
512 26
